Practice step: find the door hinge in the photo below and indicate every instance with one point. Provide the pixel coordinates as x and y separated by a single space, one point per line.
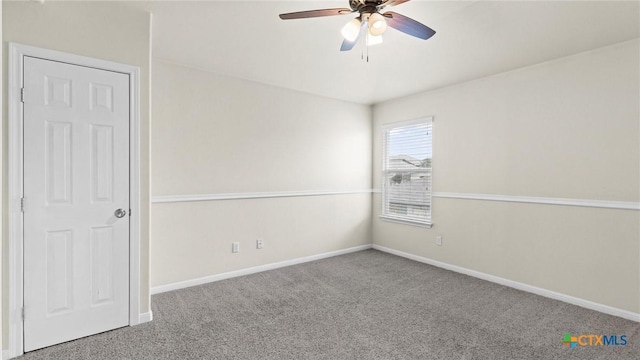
22 313
21 94
129 212
22 204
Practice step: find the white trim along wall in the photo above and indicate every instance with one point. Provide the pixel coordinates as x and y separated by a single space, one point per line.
15 224
495 279
517 285
621 205
251 195
253 270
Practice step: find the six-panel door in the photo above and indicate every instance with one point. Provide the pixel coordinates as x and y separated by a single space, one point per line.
76 175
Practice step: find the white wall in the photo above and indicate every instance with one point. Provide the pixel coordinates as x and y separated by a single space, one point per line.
217 135
1 175
563 129
104 30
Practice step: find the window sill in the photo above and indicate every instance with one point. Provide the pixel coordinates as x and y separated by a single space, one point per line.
406 222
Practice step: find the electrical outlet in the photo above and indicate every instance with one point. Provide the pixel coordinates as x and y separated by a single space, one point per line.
439 240
259 243
235 247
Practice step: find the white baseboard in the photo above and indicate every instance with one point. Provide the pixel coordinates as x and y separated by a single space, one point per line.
145 317
629 315
253 270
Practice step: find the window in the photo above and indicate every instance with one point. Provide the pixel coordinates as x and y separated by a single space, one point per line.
406 172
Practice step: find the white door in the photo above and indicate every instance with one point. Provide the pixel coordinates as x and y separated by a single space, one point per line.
76 177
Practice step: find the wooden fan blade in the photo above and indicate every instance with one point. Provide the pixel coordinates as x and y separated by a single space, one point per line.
315 13
392 3
408 25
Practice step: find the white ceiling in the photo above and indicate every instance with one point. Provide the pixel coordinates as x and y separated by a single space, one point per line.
247 40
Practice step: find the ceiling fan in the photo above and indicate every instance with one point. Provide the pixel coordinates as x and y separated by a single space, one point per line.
370 21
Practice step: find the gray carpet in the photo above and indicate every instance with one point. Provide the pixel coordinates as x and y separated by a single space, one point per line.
365 305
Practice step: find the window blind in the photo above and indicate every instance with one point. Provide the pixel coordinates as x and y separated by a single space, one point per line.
407 153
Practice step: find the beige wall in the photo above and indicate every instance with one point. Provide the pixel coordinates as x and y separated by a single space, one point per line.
2 87
104 30
214 134
567 128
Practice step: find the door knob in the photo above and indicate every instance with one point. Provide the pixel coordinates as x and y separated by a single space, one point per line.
120 213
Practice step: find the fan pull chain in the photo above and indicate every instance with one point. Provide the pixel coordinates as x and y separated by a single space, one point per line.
365 43
361 43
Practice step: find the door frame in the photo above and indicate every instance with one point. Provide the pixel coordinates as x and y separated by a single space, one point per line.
17 52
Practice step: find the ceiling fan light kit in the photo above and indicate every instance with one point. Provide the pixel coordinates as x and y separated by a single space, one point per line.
377 24
351 30
370 19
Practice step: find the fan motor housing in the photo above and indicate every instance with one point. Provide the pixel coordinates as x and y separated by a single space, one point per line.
359 5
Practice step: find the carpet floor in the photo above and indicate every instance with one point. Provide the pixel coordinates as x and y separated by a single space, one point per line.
364 305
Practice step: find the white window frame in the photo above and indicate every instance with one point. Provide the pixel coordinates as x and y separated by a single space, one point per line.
384 183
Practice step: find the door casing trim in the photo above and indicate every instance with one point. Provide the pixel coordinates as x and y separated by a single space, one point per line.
17 52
